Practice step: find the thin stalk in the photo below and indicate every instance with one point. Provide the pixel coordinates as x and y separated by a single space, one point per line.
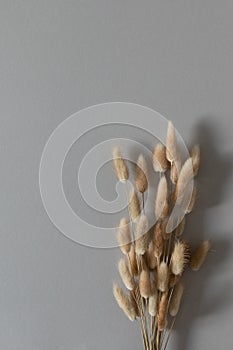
169 334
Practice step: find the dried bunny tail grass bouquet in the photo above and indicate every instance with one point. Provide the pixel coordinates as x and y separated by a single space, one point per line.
153 264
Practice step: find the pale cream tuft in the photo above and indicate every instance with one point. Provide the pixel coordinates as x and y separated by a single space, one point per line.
145 284
179 258
142 235
152 307
125 274
134 205
160 162
185 177
141 174
151 259
161 202
124 236
163 277
124 302
120 166
171 144
175 171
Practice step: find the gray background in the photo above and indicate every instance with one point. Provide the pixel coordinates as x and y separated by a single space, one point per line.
58 57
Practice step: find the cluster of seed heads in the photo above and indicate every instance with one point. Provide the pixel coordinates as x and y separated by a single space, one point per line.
154 262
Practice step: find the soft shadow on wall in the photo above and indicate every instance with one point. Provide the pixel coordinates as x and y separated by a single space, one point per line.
213 179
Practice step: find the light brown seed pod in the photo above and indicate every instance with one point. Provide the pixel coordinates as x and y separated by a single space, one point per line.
173 280
163 277
162 315
179 258
186 175
141 174
175 171
141 235
133 261
120 166
171 144
180 228
151 259
196 156
124 302
161 202
125 274
199 256
152 307
160 162
145 284
192 201
158 240
176 299
124 236
134 205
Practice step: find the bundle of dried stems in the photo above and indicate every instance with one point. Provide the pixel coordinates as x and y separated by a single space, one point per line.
154 262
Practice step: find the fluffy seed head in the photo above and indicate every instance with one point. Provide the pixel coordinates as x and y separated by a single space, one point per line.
134 205
151 259
124 302
179 258
199 256
152 307
141 174
196 156
161 202
171 144
133 261
145 284
142 235
162 316
158 240
160 162
176 299
163 277
175 171
125 274
186 175
120 165
123 236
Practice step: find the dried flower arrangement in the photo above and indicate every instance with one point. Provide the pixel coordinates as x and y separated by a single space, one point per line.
153 263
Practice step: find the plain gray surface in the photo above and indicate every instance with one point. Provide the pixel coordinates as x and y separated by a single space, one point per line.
58 57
